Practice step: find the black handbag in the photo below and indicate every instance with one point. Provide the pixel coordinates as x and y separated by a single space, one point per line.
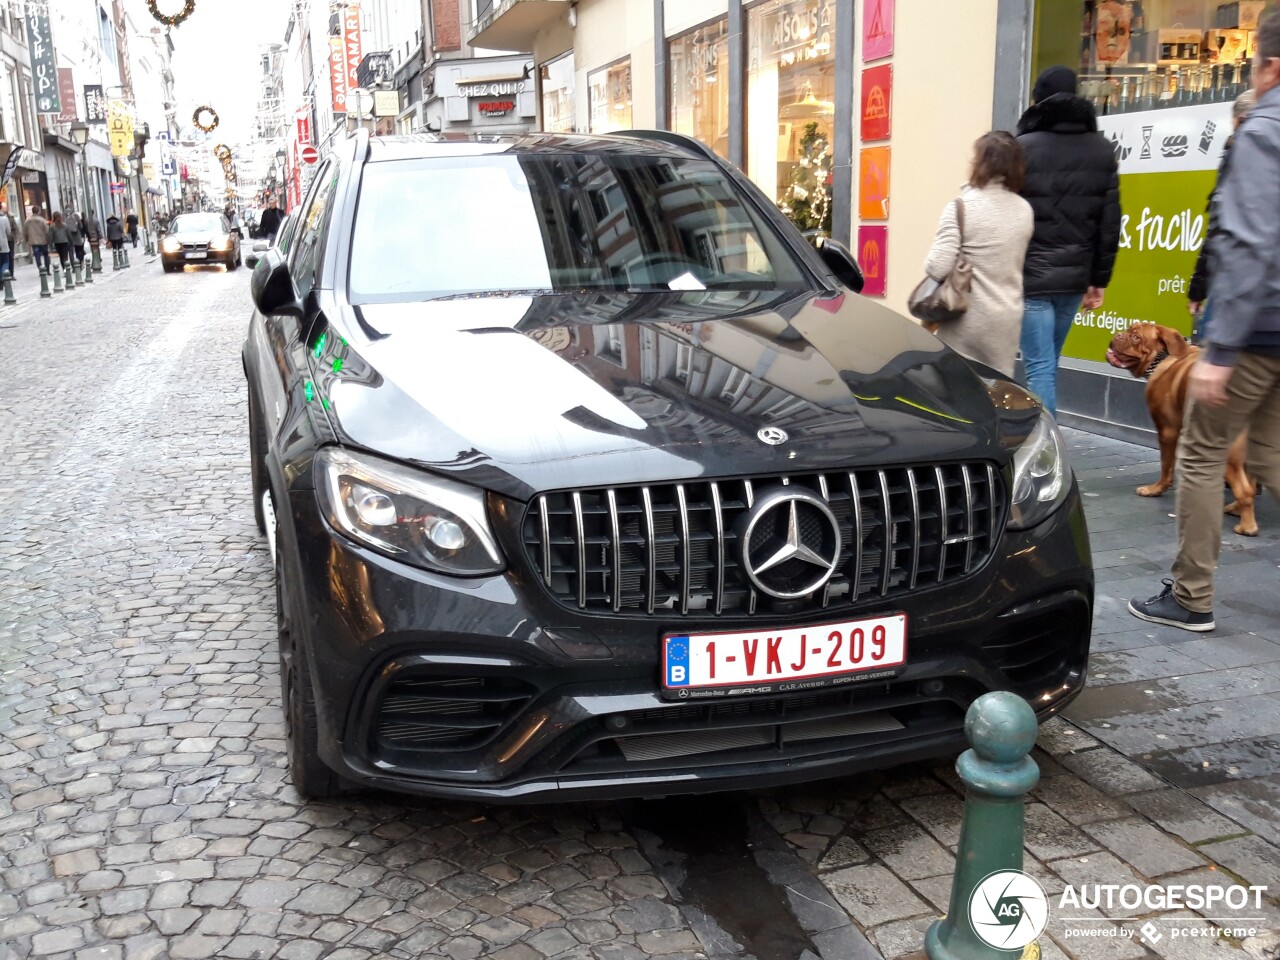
942 301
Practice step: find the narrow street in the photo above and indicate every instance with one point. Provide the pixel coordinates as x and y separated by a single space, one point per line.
144 805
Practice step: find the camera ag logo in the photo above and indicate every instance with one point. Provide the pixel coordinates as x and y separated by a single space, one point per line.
1008 910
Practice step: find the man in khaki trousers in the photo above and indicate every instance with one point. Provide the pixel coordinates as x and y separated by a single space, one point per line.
1235 383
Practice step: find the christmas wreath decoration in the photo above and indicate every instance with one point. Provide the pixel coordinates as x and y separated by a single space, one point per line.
171 19
207 124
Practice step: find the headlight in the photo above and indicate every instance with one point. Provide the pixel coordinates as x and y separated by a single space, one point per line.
223 244
402 513
1041 477
170 244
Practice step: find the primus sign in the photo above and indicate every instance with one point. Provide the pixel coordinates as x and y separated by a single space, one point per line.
1168 165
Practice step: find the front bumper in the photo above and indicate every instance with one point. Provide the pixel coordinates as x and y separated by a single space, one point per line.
489 689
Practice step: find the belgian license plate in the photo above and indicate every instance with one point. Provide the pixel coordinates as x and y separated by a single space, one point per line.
196 255
771 661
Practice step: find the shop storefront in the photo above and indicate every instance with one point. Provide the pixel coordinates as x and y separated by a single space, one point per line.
494 95
791 108
556 87
609 97
1162 75
698 65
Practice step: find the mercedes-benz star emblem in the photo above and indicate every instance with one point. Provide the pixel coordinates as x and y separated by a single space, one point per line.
771 435
791 543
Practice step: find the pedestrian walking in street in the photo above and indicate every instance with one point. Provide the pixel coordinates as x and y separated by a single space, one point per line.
1073 185
35 231
15 234
988 226
1198 289
115 232
1235 383
92 233
271 220
8 239
131 221
60 240
75 226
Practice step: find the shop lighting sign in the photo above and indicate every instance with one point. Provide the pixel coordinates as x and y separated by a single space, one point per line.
44 72
496 88
802 31
352 47
95 104
338 75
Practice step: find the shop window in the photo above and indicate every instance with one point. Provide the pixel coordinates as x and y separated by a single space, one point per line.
557 95
791 87
609 97
699 73
1135 55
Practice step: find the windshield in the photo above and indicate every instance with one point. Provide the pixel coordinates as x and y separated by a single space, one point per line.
197 223
558 223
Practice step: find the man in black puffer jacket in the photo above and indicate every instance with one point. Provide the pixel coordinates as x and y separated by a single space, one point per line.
1073 185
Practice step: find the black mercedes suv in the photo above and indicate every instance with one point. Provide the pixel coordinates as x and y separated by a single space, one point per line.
584 474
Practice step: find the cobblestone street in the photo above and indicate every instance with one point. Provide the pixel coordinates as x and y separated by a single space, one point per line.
145 811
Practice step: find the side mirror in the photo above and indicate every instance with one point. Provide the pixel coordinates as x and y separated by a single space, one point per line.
272 288
842 263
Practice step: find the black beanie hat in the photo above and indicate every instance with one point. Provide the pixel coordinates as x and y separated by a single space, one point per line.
1054 80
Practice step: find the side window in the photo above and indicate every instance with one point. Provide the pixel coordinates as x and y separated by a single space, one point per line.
226 225
284 239
310 231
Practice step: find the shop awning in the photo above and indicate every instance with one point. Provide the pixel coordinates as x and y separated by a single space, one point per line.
512 24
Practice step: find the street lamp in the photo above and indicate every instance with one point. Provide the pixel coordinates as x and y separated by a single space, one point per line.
80 137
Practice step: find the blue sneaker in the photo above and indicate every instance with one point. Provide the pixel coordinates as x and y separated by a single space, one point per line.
1165 608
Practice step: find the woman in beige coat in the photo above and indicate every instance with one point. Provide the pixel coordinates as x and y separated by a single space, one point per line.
997 228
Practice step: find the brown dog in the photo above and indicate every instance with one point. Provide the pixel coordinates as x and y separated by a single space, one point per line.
1162 357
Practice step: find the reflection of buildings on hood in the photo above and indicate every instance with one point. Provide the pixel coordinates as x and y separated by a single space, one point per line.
676 380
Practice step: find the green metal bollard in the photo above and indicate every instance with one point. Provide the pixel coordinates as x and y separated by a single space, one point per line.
8 288
44 284
96 261
88 271
68 278
124 256
57 279
115 259
997 773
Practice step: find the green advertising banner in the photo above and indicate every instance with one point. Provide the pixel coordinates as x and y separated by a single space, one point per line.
1163 227
1168 161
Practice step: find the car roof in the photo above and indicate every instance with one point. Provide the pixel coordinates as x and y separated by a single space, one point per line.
425 145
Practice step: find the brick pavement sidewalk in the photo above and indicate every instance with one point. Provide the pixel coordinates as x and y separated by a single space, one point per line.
1166 771
26 284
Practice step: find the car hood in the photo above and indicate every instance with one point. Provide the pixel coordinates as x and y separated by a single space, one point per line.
521 394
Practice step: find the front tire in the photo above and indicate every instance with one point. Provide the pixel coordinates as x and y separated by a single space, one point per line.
310 776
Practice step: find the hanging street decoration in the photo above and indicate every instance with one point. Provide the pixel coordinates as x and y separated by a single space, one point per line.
222 152
205 118
171 19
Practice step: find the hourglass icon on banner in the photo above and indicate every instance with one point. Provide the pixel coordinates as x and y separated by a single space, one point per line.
1146 143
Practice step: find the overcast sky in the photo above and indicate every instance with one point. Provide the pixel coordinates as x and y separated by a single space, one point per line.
216 59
